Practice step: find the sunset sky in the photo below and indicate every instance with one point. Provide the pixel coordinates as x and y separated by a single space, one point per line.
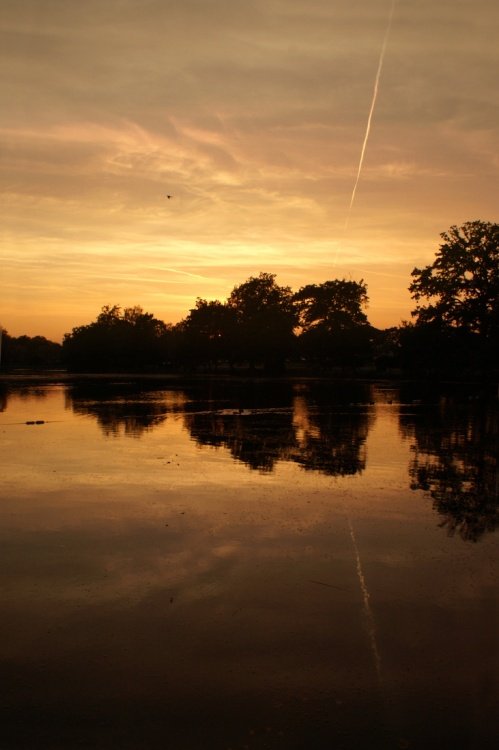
252 115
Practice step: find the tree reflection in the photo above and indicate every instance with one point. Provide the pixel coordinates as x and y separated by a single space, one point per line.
22 392
320 428
331 441
257 438
123 409
252 420
456 462
3 398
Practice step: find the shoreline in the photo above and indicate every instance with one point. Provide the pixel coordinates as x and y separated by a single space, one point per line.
33 377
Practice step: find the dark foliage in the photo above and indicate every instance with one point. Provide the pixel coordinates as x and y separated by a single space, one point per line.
461 286
123 340
28 352
207 336
265 318
264 326
334 328
457 314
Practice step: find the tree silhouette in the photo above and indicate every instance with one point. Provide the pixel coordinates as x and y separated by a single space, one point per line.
335 330
35 352
265 316
462 284
427 348
118 340
207 335
336 304
460 291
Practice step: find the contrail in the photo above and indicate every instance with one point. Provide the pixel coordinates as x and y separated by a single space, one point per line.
371 111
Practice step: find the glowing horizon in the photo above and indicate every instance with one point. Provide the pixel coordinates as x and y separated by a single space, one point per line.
251 117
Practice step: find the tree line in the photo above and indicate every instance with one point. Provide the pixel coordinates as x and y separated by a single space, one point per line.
321 327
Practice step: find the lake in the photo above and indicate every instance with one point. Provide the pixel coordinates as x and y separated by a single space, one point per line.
248 564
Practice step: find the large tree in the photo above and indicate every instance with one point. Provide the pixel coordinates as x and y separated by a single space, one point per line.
206 335
335 329
460 289
265 320
336 305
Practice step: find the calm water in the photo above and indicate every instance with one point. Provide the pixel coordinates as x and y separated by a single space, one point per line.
269 565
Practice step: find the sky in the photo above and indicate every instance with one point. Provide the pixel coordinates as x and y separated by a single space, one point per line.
252 115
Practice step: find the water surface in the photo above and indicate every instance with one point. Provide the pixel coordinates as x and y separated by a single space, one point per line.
248 565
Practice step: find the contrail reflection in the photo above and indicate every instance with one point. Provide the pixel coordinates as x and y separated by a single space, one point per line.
373 104
371 628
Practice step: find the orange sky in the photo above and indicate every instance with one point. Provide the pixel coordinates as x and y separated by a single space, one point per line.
252 115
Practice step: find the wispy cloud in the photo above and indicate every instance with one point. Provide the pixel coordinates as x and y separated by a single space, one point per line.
251 116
